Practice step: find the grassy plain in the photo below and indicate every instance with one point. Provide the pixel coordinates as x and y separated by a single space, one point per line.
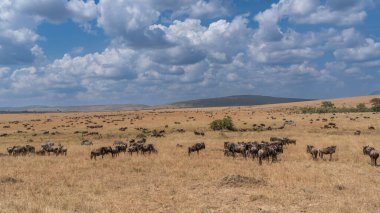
171 181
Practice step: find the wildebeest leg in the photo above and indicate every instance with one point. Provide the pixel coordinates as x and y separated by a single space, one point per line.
260 161
198 152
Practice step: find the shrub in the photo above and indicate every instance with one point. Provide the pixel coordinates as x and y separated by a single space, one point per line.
376 109
222 124
375 102
361 107
327 104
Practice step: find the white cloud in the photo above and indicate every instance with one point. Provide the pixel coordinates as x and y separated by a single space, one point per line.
366 51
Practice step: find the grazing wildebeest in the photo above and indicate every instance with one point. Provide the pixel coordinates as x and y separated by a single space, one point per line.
327 151
313 151
96 152
100 151
122 148
40 152
61 150
196 148
373 154
254 151
30 149
20 150
86 142
179 145
119 143
272 152
196 132
134 148
148 148
228 148
262 154
114 151
241 148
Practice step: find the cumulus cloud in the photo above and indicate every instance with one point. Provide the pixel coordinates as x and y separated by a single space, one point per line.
20 18
184 49
366 51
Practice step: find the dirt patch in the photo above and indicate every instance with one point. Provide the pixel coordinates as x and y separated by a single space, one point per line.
238 181
9 180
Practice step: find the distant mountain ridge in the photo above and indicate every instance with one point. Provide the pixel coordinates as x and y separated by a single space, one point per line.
237 100
375 93
88 108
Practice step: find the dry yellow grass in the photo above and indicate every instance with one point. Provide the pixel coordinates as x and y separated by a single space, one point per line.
171 181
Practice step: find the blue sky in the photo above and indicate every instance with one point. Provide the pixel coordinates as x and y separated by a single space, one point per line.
77 52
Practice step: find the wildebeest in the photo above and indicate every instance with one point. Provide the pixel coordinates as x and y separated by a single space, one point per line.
241 148
262 154
40 152
228 148
372 153
284 141
196 132
96 152
313 151
327 151
134 148
61 150
100 151
21 150
121 148
118 143
86 142
148 148
196 148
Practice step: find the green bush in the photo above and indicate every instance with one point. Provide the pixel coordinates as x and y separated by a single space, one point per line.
376 109
222 124
375 102
327 104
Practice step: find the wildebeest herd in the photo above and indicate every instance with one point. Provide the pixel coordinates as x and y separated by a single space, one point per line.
138 146
46 148
260 150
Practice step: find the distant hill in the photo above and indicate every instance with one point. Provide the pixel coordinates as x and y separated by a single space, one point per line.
89 108
375 92
238 100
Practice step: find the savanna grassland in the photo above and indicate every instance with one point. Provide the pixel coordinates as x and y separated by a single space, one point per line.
172 181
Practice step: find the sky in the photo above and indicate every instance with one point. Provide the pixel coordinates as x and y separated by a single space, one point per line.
80 52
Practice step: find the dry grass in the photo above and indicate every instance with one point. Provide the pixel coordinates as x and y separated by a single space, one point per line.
171 181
